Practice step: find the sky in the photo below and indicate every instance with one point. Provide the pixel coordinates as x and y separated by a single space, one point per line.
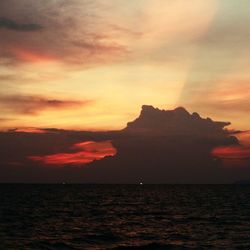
92 64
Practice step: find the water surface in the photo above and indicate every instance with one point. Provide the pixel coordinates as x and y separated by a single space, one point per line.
124 216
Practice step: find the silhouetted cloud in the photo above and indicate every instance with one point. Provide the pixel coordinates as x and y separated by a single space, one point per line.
31 105
12 25
160 146
168 146
171 122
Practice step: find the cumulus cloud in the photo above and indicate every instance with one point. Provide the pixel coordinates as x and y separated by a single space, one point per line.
168 146
32 105
158 147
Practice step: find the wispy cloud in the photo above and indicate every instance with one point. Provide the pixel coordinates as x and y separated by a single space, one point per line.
12 25
5 119
77 36
32 105
221 49
227 98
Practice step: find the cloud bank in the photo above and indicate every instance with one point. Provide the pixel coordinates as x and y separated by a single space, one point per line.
160 146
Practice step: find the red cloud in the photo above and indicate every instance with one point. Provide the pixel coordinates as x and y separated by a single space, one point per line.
233 155
26 55
89 151
232 152
28 130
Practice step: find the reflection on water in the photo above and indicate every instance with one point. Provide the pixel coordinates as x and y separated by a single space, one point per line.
124 216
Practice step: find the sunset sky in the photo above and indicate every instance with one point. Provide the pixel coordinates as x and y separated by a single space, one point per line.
83 64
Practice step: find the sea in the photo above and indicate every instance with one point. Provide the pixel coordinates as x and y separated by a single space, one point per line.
92 216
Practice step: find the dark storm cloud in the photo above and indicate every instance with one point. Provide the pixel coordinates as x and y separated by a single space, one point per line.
32 105
12 25
158 147
168 147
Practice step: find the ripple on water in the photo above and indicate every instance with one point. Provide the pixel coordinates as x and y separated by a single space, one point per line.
124 217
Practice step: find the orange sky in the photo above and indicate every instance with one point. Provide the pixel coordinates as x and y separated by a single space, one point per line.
91 65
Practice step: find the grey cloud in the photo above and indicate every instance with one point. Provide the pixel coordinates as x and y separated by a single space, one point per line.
32 105
12 25
73 34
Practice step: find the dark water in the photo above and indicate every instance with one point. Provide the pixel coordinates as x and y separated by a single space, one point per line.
124 216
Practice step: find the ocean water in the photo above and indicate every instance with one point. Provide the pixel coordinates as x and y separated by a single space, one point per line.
124 216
